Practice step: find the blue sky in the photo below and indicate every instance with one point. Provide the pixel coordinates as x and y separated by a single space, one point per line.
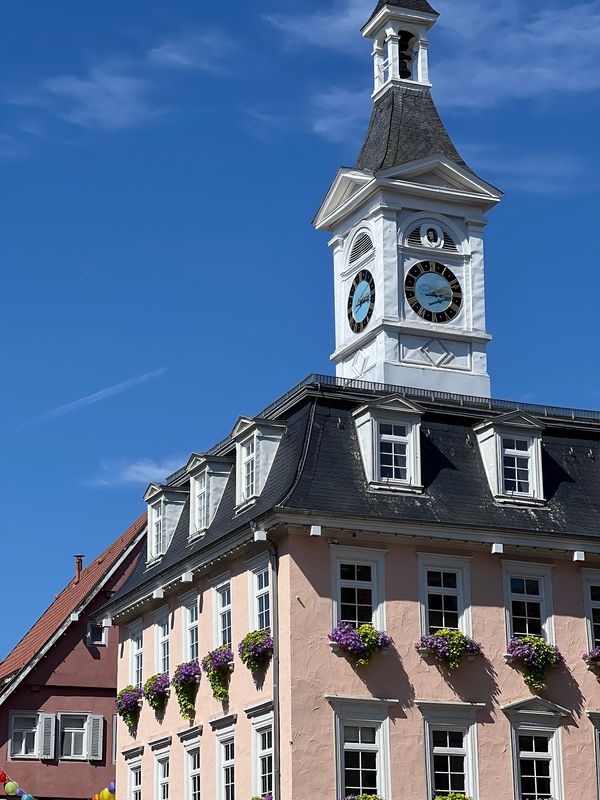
160 166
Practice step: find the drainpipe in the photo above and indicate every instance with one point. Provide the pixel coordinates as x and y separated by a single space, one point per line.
274 561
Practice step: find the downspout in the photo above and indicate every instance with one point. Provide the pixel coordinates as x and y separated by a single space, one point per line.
274 561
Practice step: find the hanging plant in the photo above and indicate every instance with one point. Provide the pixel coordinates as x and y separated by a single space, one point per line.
535 655
448 646
362 797
592 659
360 644
256 649
267 796
452 796
186 681
217 665
157 690
129 703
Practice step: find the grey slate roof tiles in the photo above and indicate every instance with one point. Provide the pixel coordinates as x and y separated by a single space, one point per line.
405 126
411 5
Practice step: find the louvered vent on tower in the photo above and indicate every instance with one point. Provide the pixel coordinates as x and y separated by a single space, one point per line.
414 240
362 245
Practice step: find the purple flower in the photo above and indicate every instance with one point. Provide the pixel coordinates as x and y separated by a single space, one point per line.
361 644
187 673
218 659
130 700
593 656
347 637
448 646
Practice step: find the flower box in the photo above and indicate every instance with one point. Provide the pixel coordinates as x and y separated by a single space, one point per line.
359 644
535 656
448 646
592 659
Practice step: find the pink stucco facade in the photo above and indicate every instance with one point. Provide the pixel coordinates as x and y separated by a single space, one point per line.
408 688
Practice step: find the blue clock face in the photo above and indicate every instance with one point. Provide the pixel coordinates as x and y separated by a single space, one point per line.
361 301
433 291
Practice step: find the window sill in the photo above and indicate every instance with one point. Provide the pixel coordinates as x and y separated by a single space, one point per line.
245 504
519 500
152 562
395 488
196 535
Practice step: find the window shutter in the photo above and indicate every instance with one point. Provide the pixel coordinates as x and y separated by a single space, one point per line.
46 736
95 737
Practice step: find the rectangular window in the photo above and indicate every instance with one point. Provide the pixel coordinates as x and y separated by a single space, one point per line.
248 455
526 606
135 783
73 729
158 530
190 612
595 602
227 770
201 502
443 596
262 599
516 466
136 641
393 443
162 778
591 583
97 634
360 759
265 760
24 736
356 592
535 766
162 644
449 761
223 600
193 767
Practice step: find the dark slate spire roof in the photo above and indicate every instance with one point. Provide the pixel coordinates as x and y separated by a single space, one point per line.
411 5
405 126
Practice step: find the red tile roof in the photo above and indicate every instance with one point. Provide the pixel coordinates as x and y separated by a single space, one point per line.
67 602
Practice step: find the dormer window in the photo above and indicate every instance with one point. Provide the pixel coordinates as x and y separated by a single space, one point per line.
208 477
164 509
201 502
511 451
157 545
389 436
256 445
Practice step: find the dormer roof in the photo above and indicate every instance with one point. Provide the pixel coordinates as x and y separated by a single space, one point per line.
513 419
155 489
421 6
394 403
247 423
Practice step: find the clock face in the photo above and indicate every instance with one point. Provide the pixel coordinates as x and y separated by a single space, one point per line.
433 291
361 301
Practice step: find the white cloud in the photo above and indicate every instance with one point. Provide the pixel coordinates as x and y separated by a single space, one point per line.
336 29
103 394
142 472
209 51
339 115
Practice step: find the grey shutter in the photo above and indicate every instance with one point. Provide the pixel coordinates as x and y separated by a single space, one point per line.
46 736
95 737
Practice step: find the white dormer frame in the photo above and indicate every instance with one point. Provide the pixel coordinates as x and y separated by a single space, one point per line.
491 438
214 471
262 437
164 508
370 420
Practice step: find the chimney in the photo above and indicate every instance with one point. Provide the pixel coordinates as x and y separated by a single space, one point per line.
78 567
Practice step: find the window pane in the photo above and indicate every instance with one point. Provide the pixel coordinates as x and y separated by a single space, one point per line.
595 593
363 572
348 572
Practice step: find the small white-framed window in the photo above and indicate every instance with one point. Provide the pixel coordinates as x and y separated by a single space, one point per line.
262 747
73 736
358 580
24 736
248 468
222 614
97 634
449 769
516 465
191 616
162 642
260 598
528 599
444 589
136 655
135 782
536 763
193 773
115 727
393 442
226 768
200 489
591 591
162 777
158 529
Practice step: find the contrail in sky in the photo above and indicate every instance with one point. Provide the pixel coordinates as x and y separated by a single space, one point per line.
103 394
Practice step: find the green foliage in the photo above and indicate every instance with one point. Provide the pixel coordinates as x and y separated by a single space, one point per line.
451 796
156 691
217 665
129 702
457 647
370 638
546 655
256 649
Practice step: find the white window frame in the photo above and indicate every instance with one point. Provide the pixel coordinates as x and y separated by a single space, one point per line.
528 727
103 642
594 717
413 450
366 713
190 604
136 631
85 730
36 729
525 569
247 494
162 759
157 549
200 515
218 586
223 737
162 642
115 726
342 554
191 773
515 453
255 568
533 454
447 563
590 578
134 790
261 725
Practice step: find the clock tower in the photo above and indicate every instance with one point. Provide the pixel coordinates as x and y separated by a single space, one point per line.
408 226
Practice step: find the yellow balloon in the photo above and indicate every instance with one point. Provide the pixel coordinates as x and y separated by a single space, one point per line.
104 794
10 788
111 796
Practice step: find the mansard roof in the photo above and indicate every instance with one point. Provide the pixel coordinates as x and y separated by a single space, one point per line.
405 126
318 472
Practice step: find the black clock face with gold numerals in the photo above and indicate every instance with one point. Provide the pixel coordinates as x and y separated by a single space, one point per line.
433 291
361 301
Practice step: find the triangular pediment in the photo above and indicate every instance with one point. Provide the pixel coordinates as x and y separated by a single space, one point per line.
395 404
439 171
241 425
513 419
152 490
348 183
536 705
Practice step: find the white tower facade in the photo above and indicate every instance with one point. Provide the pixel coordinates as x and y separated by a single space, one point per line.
408 230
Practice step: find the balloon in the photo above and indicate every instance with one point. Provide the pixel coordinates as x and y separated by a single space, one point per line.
10 788
111 796
104 794
27 797
96 797
111 787
3 777
20 792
